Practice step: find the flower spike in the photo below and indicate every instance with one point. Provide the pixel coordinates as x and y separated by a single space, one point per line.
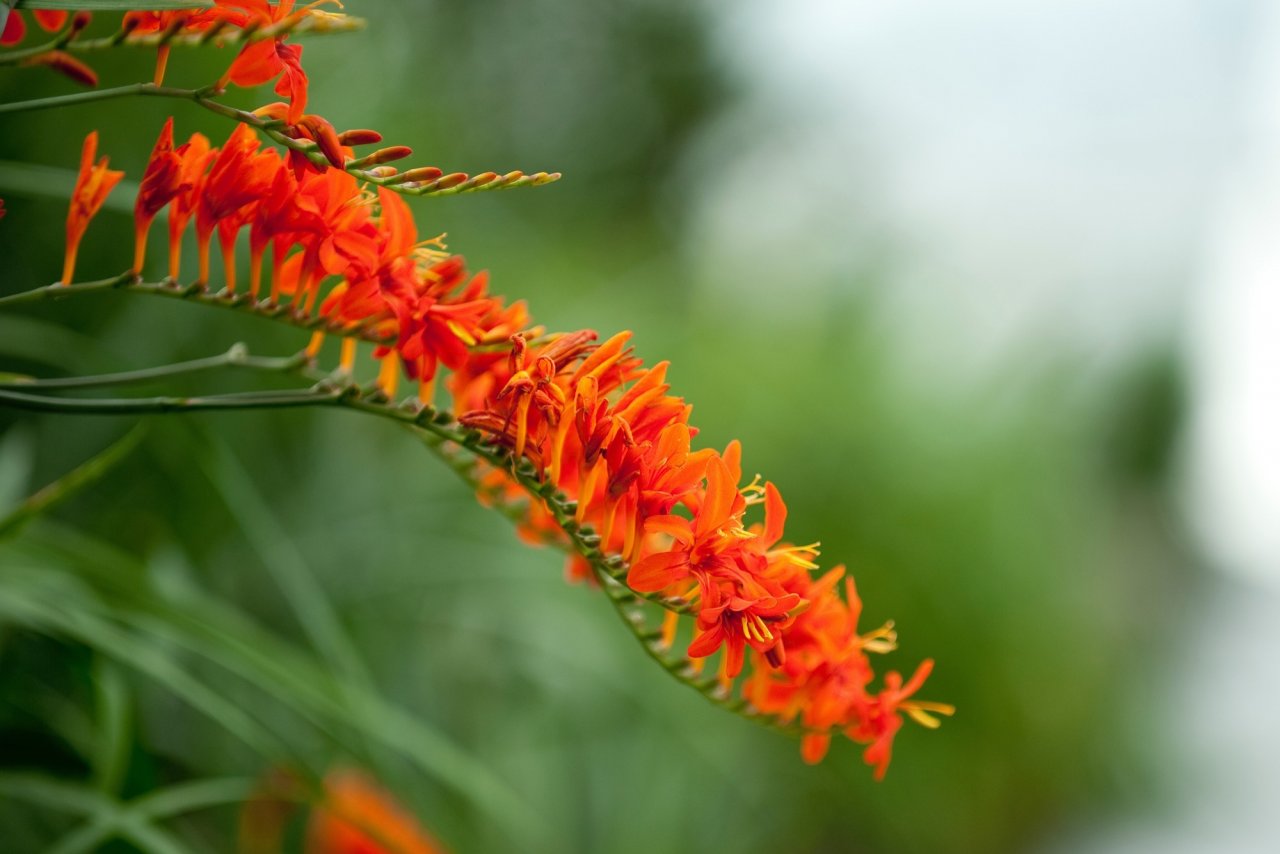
579 440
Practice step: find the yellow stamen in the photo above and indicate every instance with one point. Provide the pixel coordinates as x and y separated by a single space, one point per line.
314 345
465 336
919 711
882 640
797 555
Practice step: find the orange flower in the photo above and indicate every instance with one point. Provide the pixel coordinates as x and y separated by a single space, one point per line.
194 155
359 817
264 60
240 175
162 181
94 183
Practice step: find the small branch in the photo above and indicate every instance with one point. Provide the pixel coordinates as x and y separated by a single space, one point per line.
157 405
77 479
74 98
237 357
240 302
445 185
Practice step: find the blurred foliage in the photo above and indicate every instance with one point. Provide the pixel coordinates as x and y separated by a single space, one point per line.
313 585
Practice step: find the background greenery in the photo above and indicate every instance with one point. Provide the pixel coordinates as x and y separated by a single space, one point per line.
313 585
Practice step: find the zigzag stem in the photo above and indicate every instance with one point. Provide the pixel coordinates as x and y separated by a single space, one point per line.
220 35
451 184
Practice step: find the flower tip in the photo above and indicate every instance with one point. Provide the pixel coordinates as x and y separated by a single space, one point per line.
359 136
386 155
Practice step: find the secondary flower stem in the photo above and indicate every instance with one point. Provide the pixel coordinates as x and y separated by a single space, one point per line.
445 185
241 302
236 357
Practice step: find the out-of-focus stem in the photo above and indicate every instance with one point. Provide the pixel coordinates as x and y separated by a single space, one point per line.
236 357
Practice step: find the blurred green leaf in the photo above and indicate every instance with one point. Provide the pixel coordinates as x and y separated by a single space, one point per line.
45 602
17 458
115 717
200 624
69 484
134 821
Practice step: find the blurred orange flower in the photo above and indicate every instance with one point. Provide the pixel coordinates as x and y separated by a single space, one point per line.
359 817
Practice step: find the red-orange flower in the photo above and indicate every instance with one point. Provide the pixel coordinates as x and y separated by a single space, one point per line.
94 183
264 60
162 181
240 176
195 155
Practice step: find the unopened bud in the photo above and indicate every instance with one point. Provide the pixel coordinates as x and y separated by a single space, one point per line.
422 173
319 129
386 155
451 180
79 21
359 136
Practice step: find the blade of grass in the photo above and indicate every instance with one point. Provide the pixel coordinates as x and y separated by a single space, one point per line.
69 484
201 624
282 559
24 603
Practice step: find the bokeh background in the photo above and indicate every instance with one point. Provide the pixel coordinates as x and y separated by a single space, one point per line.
987 288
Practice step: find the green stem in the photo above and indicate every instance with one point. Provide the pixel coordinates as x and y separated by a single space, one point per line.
71 483
305 147
240 302
157 405
237 357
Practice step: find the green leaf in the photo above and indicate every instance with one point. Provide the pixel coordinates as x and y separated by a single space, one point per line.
69 484
16 456
26 602
115 717
134 821
203 625
282 559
